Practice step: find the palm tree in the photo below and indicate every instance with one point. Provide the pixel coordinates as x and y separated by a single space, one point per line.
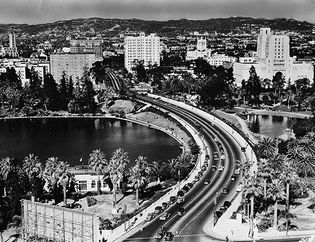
173 165
252 189
267 148
138 174
6 167
116 168
63 178
265 173
50 173
276 193
156 170
33 169
98 163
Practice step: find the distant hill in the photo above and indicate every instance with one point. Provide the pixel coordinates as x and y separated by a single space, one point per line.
210 25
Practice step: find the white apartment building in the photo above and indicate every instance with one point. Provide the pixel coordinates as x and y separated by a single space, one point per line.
273 55
71 63
201 51
142 48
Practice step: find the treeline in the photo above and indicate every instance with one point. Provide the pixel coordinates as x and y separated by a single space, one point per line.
37 95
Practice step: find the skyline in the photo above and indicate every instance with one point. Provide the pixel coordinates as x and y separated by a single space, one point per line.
45 11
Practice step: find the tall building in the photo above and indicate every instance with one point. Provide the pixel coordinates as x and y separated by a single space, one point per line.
273 55
10 50
72 63
142 48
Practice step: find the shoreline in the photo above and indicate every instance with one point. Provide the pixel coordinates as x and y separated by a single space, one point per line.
240 110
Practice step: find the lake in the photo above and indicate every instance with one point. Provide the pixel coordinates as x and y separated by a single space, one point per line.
73 138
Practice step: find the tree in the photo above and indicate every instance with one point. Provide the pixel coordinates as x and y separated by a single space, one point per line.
50 92
157 170
83 100
138 175
116 168
63 92
267 148
6 167
98 163
278 84
276 193
33 169
302 90
141 73
63 178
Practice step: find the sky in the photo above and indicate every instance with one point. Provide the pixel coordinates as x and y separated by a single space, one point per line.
44 11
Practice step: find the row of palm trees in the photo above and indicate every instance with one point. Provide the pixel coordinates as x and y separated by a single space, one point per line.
279 176
140 174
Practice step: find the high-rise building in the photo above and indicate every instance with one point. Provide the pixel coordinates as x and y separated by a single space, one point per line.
70 63
142 48
273 55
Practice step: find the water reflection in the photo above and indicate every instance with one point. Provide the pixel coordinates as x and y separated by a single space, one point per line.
73 138
271 126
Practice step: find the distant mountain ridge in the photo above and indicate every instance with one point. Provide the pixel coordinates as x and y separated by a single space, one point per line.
210 25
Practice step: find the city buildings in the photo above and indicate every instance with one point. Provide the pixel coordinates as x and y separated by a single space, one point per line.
10 50
201 51
273 55
70 63
142 48
87 45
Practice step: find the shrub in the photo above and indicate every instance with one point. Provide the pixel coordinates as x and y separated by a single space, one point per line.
91 201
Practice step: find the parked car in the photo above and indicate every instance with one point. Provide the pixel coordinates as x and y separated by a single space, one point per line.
227 204
164 205
233 178
169 236
181 211
190 185
158 210
150 217
165 216
173 199
207 181
160 233
180 200
237 171
186 188
221 168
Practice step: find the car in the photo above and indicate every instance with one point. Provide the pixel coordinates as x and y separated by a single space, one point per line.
186 188
222 157
216 139
169 236
213 168
237 171
215 154
200 173
196 178
221 168
225 190
160 233
149 217
158 210
203 168
233 178
227 204
173 199
218 214
207 181
165 216
239 188
207 157
205 164
180 193
190 185
180 200
181 211
164 205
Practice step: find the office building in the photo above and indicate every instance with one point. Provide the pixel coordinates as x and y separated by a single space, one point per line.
142 48
70 63
87 45
273 55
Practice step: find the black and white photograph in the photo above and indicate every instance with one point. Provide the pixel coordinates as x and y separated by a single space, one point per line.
157 120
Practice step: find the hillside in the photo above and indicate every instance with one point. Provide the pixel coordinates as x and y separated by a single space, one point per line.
100 25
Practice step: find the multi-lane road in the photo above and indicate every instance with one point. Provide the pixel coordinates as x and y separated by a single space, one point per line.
203 199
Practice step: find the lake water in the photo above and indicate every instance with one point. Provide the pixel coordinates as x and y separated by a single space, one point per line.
271 126
73 138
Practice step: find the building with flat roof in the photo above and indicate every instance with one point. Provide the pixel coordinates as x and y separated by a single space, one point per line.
273 55
70 63
142 48
87 45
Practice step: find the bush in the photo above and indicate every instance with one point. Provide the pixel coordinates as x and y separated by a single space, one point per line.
91 201
264 224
